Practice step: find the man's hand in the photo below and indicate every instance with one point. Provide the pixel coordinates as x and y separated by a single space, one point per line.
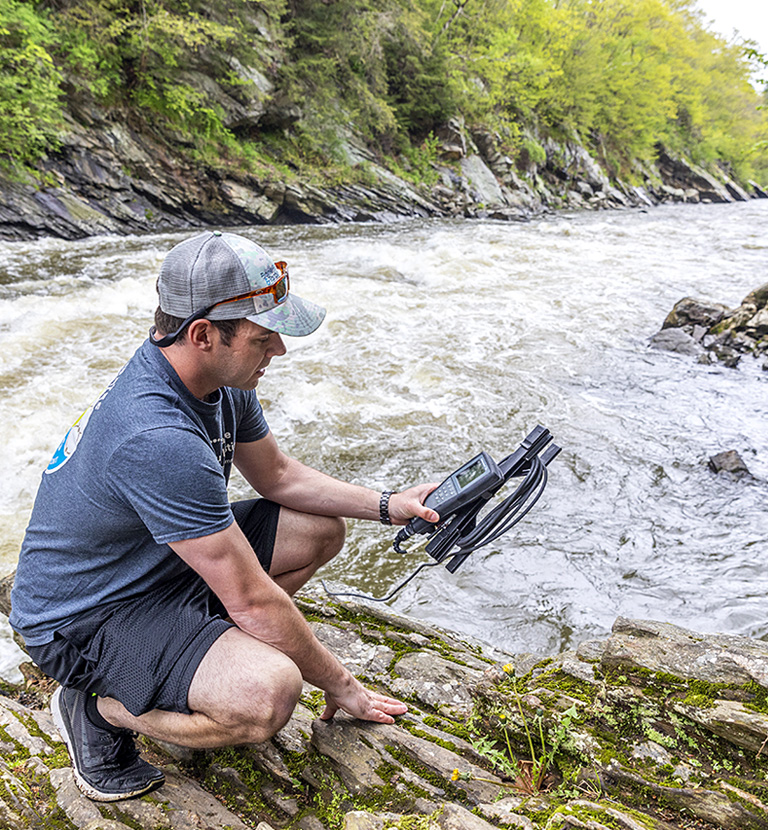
404 506
362 703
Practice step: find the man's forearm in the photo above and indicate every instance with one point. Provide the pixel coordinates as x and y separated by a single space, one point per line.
277 622
308 490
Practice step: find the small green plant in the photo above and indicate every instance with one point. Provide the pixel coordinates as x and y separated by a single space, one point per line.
533 150
528 775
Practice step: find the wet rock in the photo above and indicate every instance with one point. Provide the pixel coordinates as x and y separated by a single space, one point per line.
681 174
675 340
482 183
665 719
725 332
727 462
453 144
690 311
663 647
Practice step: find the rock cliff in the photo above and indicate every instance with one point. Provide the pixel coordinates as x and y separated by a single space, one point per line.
652 728
112 175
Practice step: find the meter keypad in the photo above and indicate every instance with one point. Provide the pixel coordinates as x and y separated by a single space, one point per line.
446 491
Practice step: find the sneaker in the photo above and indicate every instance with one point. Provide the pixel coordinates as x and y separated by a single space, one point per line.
106 762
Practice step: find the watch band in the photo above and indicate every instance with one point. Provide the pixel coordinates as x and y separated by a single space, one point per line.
384 507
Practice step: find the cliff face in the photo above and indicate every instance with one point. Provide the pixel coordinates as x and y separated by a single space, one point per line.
113 176
655 727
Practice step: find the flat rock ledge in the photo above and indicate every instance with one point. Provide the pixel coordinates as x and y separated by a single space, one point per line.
710 331
655 727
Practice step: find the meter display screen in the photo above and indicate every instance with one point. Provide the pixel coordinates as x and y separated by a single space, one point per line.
470 473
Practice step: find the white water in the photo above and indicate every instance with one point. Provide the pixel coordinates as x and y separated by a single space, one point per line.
444 338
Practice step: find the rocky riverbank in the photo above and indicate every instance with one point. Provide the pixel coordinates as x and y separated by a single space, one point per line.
710 331
111 176
652 728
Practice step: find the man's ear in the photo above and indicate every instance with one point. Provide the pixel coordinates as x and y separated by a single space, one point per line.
201 334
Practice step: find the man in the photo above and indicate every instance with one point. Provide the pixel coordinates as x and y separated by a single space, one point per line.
158 606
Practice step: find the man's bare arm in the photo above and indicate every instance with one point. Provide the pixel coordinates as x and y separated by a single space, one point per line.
289 482
262 609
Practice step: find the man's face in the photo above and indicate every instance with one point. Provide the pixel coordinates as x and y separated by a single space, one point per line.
251 349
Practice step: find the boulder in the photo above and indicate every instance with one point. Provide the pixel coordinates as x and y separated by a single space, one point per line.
678 172
727 333
481 182
675 340
690 311
728 461
453 143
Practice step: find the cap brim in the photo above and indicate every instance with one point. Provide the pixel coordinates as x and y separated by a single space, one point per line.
295 317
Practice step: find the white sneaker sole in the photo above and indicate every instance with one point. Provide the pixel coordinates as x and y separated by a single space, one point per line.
84 787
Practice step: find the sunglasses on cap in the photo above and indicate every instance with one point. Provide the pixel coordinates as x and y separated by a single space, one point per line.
264 299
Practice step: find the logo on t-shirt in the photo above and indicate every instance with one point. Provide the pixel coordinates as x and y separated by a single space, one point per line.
67 447
74 434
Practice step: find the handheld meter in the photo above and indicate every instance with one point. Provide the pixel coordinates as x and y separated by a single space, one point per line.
461 497
471 480
480 475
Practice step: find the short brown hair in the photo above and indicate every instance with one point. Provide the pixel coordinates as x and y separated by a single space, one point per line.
166 323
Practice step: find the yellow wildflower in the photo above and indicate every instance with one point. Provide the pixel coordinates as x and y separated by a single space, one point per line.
455 776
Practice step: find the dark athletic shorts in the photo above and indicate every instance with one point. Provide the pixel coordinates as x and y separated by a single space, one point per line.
145 651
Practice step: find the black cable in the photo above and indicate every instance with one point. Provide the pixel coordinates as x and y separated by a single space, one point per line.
511 510
379 599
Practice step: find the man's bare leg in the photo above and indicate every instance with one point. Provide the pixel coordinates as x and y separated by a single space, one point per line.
242 692
303 544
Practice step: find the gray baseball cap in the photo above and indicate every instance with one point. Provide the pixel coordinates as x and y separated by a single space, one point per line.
214 267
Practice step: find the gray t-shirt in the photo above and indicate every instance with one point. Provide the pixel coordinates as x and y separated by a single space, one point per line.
145 465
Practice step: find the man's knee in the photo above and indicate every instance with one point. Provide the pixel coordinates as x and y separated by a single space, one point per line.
246 687
266 706
331 538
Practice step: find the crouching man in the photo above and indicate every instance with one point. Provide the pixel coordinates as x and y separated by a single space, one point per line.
160 607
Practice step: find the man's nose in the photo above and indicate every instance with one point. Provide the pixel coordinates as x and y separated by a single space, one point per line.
276 345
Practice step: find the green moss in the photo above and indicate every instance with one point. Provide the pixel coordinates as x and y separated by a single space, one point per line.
113 811
559 681
589 815
385 630
427 736
414 822
36 791
314 701
759 699
20 752
455 728
452 792
698 700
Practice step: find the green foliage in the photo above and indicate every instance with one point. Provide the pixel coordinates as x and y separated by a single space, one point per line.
139 54
621 75
418 88
543 743
418 163
625 74
30 110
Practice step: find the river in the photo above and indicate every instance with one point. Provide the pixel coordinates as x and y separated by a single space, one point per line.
444 338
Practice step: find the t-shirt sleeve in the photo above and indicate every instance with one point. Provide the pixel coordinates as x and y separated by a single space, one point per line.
174 482
251 424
